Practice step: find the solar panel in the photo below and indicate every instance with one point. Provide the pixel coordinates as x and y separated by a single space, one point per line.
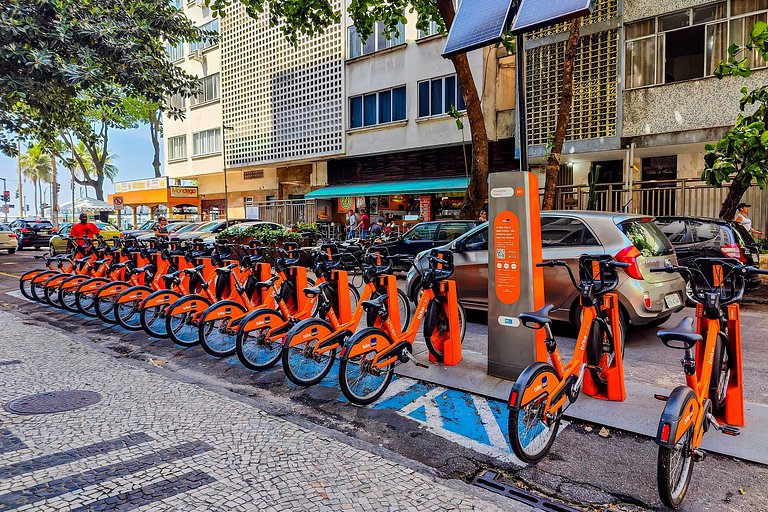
534 14
478 23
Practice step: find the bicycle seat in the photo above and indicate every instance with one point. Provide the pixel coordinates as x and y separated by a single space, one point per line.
101 261
376 304
263 285
537 319
194 270
681 336
145 268
226 270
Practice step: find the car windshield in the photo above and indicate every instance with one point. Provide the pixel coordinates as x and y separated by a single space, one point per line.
103 226
5 227
43 224
177 226
742 235
646 237
147 226
190 227
421 232
208 228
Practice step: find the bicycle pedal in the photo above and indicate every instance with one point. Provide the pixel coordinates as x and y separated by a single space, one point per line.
730 430
699 455
663 398
412 359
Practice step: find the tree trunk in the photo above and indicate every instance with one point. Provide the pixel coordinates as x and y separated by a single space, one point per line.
54 195
563 117
477 191
154 130
735 193
34 186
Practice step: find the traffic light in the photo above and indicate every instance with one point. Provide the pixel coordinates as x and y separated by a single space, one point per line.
17 194
58 187
7 196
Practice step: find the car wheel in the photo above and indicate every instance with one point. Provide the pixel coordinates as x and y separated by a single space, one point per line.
11 251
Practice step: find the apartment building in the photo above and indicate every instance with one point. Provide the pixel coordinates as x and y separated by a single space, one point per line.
270 112
405 156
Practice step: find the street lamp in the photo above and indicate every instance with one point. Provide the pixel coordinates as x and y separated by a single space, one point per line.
224 129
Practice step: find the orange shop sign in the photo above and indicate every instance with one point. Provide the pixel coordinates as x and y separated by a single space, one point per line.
183 191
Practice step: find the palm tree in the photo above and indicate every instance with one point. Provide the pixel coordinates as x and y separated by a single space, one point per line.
36 167
87 167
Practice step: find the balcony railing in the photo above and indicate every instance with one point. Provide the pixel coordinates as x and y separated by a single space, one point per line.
688 197
286 212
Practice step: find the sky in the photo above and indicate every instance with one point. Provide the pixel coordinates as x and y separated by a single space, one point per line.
134 152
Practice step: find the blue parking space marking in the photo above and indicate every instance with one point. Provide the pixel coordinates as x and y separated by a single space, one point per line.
460 416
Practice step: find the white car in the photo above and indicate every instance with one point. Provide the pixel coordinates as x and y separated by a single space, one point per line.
8 239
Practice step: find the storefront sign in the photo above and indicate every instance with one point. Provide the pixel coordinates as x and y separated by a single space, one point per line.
346 204
360 202
425 209
323 210
146 184
183 191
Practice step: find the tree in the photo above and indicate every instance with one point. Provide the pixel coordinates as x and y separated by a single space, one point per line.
36 167
307 17
741 155
156 131
92 165
563 116
54 52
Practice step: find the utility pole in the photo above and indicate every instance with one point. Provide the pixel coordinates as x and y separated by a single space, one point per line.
5 200
72 211
54 194
21 188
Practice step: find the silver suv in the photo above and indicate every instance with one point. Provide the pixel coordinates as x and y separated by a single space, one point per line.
646 298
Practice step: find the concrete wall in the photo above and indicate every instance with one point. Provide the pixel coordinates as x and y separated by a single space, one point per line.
639 9
407 65
692 105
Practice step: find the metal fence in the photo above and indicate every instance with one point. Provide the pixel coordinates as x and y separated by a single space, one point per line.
688 197
287 213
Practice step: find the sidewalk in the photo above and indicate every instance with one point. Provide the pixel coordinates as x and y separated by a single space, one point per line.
160 444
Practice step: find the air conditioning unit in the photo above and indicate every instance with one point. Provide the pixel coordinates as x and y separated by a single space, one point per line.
197 55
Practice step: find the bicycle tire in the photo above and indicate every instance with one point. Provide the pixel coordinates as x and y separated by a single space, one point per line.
404 305
82 298
599 358
180 327
127 314
208 328
358 364
153 317
51 290
297 363
105 300
68 292
721 374
520 446
25 282
672 489
249 350
436 329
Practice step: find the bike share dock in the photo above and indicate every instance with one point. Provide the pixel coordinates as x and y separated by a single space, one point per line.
639 413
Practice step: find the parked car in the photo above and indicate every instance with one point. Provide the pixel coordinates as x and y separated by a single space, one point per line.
32 232
645 298
9 241
148 227
59 244
209 230
428 235
702 237
173 229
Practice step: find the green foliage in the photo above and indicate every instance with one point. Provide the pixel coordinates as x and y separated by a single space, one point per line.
741 155
267 236
57 54
458 116
36 165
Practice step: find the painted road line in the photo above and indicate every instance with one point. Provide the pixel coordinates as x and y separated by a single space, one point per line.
10 275
18 295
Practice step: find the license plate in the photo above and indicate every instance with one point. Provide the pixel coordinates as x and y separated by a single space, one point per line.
672 300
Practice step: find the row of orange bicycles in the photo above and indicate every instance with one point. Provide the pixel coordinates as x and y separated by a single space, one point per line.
304 308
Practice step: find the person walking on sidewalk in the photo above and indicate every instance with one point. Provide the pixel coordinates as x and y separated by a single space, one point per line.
742 217
351 225
365 224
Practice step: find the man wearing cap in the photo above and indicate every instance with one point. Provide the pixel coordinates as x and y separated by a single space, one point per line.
742 217
84 229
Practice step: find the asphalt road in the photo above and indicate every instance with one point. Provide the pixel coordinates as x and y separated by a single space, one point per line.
615 470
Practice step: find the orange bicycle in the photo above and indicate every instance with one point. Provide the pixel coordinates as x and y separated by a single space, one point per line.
543 392
369 357
691 409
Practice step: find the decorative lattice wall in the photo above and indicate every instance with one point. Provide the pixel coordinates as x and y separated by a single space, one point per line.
594 113
283 102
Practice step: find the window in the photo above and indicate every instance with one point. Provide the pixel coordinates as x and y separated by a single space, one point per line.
647 238
174 51
253 175
176 3
210 90
675 230
689 44
207 41
702 231
206 142
436 96
421 232
375 42
177 101
432 30
478 241
561 231
450 231
177 147
377 108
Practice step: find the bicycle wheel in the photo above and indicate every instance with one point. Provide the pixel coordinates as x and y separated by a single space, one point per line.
216 334
721 375
85 295
300 364
258 347
674 470
68 292
105 299
153 312
436 331
25 282
600 355
37 288
532 437
51 289
181 321
360 381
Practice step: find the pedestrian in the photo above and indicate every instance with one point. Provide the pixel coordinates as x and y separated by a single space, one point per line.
377 229
365 223
352 224
161 228
84 229
484 214
742 217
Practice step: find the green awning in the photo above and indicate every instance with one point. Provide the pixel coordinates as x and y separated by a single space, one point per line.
387 188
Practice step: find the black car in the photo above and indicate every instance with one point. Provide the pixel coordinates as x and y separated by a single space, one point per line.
427 235
702 237
33 232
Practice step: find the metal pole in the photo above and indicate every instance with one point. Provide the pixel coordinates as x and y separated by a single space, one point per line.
522 115
21 187
224 161
72 211
54 193
5 205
